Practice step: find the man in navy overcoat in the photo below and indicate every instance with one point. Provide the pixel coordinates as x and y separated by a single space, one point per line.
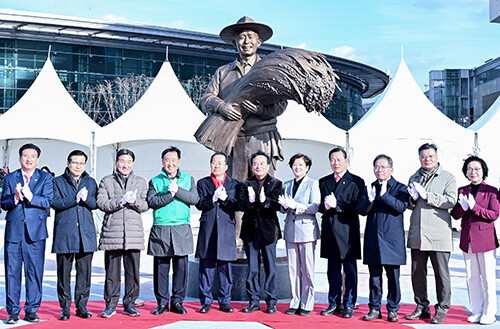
216 246
26 196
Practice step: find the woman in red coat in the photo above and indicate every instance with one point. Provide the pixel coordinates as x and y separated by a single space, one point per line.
478 206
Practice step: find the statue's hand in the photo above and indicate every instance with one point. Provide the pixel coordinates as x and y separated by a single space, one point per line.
252 108
230 111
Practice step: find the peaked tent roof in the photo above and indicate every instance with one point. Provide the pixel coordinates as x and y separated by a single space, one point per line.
47 110
405 110
165 111
489 122
399 122
296 123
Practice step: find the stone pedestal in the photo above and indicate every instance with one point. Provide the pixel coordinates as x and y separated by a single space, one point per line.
240 270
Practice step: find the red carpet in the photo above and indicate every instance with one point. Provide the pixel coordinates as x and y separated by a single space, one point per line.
49 313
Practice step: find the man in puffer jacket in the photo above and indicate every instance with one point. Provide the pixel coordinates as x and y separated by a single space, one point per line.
122 196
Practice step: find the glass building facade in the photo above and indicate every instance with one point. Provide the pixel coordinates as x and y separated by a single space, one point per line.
119 50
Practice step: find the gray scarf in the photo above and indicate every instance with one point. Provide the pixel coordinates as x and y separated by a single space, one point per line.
427 175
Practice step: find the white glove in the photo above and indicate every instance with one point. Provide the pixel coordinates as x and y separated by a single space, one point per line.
464 203
421 190
133 197
291 202
127 197
262 196
472 201
173 187
223 193
251 194
383 188
218 194
371 193
413 192
27 192
82 194
330 201
282 200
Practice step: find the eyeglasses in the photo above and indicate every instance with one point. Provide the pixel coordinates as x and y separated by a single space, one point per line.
381 167
77 163
471 170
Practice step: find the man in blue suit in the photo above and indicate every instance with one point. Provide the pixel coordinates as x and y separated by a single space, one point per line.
26 196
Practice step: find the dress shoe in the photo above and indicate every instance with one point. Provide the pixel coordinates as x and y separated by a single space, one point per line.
178 308
348 312
108 312
32 317
205 308
226 308
332 310
291 311
83 313
485 319
372 315
419 313
392 316
65 314
160 309
12 319
438 318
271 309
130 310
251 307
474 318
304 312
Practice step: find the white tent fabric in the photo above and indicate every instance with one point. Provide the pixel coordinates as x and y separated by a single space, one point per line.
398 123
46 112
488 134
164 112
308 133
163 116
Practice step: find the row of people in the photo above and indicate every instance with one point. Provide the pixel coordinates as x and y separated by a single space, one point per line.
340 197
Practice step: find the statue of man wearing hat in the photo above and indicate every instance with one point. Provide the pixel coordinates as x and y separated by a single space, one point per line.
259 132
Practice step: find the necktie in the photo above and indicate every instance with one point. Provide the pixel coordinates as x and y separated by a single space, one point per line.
27 177
337 178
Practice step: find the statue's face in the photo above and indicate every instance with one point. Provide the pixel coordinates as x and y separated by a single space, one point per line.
247 42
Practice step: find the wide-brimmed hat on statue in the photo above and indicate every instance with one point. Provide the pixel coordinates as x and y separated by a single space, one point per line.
227 34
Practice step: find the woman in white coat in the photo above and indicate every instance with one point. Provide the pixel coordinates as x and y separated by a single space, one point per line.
300 201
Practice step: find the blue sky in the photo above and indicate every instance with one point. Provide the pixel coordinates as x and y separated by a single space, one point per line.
435 34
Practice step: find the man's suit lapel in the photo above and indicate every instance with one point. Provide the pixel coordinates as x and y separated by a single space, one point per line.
34 178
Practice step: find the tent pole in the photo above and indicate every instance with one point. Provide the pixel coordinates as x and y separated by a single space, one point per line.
6 156
476 144
93 157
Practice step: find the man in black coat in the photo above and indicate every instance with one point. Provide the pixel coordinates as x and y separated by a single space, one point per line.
340 239
74 233
216 246
260 230
384 201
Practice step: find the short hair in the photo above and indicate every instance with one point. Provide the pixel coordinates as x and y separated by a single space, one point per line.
171 149
256 154
218 153
335 150
427 146
77 153
125 152
383 156
472 158
30 146
304 157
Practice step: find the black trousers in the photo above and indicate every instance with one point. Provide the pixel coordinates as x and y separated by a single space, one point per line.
112 264
439 261
161 272
83 265
394 290
208 267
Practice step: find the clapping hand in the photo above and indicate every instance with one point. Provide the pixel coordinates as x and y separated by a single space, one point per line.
413 192
371 193
173 187
421 190
129 197
27 192
282 200
251 194
220 193
19 191
472 201
464 202
330 201
82 194
262 196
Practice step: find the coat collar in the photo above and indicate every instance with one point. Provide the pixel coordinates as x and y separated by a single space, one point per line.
391 182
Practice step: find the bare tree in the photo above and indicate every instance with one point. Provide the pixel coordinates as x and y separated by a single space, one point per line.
195 88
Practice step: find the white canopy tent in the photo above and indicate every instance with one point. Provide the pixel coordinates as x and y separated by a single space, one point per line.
398 123
487 128
49 117
163 116
308 133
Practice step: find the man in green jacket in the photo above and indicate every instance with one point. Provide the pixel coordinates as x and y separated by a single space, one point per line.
170 195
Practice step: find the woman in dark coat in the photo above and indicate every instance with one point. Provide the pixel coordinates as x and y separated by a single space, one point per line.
384 202
478 206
